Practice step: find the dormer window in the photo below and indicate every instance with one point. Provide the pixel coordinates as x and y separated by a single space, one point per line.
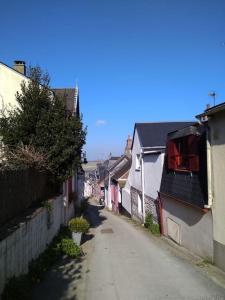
183 153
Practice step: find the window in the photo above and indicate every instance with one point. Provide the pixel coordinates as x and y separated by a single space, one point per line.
183 153
138 162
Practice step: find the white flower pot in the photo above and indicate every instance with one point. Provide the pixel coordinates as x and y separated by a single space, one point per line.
77 237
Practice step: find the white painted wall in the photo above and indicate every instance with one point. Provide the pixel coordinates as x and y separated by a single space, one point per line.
87 189
10 83
153 167
28 241
134 177
126 200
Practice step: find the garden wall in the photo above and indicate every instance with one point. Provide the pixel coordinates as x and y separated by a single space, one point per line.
29 239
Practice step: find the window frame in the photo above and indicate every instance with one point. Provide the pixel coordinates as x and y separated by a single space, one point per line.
183 153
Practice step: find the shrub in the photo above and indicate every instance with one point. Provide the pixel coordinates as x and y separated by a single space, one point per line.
17 288
149 223
79 225
70 248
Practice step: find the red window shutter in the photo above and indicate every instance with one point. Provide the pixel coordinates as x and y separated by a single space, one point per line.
193 147
194 163
193 144
171 155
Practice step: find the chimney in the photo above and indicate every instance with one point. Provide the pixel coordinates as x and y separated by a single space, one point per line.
20 66
128 146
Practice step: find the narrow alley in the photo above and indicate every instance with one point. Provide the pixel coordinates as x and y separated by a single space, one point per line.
123 261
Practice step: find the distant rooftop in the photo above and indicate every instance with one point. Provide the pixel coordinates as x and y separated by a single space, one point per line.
70 94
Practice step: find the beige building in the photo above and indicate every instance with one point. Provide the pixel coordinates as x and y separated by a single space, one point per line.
214 118
10 83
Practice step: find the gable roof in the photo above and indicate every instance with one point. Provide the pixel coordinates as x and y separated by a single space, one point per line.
155 134
104 167
71 98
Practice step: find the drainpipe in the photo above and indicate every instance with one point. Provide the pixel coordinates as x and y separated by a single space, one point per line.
143 186
160 213
209 168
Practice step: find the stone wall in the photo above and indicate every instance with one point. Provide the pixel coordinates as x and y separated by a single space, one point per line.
151 206
135 210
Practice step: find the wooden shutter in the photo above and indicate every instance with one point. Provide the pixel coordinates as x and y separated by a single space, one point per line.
193 147
171 155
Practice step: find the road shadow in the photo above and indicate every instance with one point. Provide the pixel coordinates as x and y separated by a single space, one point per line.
86 238
93 215
60 282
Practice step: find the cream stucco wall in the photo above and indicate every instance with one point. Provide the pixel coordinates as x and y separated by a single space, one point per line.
193 226
217 142
10 83
217 135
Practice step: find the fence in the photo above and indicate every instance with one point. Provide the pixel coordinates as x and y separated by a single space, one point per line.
21 189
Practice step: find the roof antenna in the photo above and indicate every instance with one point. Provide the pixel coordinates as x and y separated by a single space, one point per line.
213 95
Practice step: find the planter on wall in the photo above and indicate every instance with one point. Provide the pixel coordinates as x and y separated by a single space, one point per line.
77 237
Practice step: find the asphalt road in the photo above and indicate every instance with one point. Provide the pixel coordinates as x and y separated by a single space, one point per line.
123 261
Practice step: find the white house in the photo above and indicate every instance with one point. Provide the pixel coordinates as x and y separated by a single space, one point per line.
148 151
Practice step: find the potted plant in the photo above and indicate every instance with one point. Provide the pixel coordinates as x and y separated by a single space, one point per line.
77 227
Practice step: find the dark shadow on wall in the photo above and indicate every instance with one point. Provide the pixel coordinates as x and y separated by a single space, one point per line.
186 213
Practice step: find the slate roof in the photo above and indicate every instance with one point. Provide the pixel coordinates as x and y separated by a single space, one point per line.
69 94
123 169
155 134
105 166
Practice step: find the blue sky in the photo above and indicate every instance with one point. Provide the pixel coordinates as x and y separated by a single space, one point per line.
135 61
